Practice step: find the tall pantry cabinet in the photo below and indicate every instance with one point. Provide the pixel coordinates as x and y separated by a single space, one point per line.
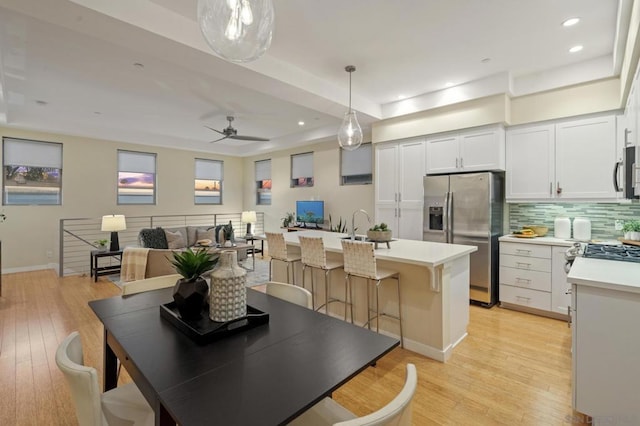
399 172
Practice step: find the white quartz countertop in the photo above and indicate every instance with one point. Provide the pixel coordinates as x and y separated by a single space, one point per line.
549 241
423 253
611 274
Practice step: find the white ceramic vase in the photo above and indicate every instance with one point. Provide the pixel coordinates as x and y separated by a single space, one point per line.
632 235
228 295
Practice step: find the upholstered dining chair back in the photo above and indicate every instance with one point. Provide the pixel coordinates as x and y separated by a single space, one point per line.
312 252
83 381
396 413
290 293
359 258
148 284
122 406
277 246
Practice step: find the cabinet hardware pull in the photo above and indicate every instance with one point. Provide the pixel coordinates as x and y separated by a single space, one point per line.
399 212
568 291
456 163
461 165
395 197
522 297
522 265
523 280
569 314
399 197
395 212
558 188
523 251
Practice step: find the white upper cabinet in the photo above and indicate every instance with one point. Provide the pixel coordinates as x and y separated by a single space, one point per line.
468 151
570 160
530 162
585 158
398 187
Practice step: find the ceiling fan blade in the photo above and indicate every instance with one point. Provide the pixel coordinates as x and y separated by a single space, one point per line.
224 137
248 138
217 131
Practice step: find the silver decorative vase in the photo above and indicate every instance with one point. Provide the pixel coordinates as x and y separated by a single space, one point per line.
228 295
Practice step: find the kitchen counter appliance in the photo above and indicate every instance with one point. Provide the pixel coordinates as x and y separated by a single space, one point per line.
625 253
467 209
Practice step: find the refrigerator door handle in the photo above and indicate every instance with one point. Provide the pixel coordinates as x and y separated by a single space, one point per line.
450 218
445 219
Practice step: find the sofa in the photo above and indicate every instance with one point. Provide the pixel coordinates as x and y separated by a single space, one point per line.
162 242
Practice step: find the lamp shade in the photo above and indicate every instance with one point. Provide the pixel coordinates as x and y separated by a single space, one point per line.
249 217
113 222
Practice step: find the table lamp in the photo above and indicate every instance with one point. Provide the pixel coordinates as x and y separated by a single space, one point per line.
114 223
249 218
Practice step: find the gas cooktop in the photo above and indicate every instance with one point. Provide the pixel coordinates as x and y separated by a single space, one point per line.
625 253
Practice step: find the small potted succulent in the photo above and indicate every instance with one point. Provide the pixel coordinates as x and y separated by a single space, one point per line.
288 219
380 232
631 230
190 291
102 244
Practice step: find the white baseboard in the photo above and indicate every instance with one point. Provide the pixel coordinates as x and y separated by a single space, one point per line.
31 268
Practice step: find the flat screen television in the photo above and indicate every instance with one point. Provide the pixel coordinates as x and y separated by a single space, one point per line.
310 212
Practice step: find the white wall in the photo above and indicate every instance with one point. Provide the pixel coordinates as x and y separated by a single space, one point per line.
339 201
89 177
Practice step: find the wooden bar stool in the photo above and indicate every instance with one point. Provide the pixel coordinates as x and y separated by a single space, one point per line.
360 261
278 251
315 256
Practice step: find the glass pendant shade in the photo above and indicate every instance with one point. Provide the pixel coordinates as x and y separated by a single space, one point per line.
350 132
237 30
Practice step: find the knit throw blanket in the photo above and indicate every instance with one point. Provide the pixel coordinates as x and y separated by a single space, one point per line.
134 264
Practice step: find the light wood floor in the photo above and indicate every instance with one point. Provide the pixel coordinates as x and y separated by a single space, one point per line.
513 368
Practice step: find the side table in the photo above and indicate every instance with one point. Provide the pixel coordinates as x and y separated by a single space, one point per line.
97 271
251 239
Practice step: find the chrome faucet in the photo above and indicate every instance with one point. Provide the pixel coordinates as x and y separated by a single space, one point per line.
353 222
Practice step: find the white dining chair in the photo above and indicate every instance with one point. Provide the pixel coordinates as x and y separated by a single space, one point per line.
123 405
360 261
148 284
277 249
395 413
290 293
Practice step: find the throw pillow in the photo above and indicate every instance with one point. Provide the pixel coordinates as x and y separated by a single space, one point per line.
153 238
201 234
175 240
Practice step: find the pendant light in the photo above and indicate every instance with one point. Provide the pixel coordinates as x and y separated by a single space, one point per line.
350 132
237 30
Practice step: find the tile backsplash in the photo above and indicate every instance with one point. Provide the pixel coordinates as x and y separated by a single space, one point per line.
602 216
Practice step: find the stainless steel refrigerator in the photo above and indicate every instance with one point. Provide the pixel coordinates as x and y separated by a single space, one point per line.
468 209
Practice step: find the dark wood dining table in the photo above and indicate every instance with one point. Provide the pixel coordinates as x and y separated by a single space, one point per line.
267 375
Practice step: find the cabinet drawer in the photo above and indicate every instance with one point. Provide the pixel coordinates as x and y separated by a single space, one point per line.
535 280
525 297
524 249
526 263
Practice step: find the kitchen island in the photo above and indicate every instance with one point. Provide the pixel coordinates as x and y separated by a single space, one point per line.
434 287
606 340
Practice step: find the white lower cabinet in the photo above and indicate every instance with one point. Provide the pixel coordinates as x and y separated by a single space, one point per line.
606 350
530 277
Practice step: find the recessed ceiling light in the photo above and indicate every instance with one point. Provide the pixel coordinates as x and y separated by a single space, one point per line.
448 84
97 112
401 97
41 103
138 65
300 123
575 49
570 22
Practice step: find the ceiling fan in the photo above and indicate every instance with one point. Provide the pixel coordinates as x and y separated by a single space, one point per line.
231 133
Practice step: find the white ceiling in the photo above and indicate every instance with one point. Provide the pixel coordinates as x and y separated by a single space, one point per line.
78 56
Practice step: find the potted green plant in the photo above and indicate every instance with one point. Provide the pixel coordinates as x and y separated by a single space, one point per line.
190 291
379 232
102 244
288 219
631 230
340 226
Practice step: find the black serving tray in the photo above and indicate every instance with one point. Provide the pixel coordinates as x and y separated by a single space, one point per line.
204 331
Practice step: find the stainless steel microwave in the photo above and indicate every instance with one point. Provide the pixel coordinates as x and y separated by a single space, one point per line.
630 166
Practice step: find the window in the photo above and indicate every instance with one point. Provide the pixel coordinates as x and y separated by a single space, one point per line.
356 166
263 182
136 177
302 170
208 184
32 172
